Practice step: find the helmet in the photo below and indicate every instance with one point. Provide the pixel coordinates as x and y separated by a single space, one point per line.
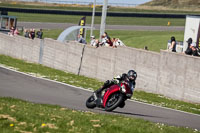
189 41
132 75
173 39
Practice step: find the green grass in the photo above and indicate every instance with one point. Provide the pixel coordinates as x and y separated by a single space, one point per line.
93 84
154 40
50 73
21 116
30 17
162 101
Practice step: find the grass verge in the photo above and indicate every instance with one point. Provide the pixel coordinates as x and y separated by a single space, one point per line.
25 117
31 17
93 84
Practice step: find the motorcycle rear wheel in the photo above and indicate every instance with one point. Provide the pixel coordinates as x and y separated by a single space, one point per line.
90 103
114 101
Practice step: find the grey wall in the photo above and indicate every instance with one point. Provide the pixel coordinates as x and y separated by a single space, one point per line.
171 74
19 47
179 76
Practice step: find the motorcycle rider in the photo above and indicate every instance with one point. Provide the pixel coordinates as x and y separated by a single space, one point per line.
130 77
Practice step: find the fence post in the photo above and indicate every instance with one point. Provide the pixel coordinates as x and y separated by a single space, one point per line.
81 59
41 50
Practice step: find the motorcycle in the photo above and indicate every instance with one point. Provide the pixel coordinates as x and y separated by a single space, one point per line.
113 97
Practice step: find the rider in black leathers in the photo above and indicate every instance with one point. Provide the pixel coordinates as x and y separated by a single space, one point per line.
130 77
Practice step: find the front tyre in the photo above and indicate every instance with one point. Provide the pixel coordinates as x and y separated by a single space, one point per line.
90 103
114 101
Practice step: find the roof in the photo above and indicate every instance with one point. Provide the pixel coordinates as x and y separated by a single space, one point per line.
70 33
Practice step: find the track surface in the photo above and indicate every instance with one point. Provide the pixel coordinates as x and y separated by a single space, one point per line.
38 25
18 85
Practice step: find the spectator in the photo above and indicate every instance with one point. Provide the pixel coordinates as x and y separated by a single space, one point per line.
172 46
26 33
146 48
11 33
39 34
16 31
94 42
109 42
81 39
106 36
105 40
191 49
32 34
117 42
114 42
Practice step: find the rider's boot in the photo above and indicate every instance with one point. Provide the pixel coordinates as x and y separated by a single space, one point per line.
98 92
98 97
99 103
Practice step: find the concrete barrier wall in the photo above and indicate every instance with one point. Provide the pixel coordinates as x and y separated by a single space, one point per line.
20 47
171 74
104 63
179 76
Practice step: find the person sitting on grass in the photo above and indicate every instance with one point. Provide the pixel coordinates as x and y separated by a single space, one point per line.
105 40
117 42
32 34
81 39
11 33
16 31
94 42
191 49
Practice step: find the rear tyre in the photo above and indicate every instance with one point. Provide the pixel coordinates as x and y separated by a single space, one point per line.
90 103
114 101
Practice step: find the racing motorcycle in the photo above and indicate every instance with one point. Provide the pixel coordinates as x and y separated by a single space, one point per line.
113 97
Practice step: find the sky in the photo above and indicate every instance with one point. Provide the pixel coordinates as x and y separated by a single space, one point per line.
101 1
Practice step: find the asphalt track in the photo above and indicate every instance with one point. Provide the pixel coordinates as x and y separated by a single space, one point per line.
22 86
41 25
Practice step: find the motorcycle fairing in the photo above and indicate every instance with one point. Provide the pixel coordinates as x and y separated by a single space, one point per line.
111 90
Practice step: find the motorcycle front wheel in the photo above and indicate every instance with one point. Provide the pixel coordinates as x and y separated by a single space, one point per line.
90 103
114 101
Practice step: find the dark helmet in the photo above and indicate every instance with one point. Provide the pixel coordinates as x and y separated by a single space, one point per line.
173 39
132 75
189 41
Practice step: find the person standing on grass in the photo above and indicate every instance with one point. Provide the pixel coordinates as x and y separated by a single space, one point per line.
172 46
39 34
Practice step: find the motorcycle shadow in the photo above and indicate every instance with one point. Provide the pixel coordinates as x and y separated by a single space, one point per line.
135 114
101 110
